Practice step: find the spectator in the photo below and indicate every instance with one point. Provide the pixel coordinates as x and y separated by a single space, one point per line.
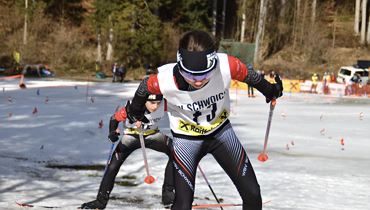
114 71
332 78
325 83
314 79
121 72
356 84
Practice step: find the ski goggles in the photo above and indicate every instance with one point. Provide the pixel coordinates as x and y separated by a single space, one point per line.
196 77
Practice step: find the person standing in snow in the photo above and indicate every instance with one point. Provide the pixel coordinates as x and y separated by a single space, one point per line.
114 72
197 92
153 111
250 91
314 79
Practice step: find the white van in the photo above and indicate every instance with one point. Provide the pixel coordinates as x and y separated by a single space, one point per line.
345 73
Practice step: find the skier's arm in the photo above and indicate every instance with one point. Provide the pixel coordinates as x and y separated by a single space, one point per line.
113 135
135 111
115 119
239 71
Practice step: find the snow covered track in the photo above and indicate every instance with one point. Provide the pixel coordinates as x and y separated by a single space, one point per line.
318 150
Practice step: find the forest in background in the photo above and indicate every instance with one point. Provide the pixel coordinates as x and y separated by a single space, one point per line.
294 37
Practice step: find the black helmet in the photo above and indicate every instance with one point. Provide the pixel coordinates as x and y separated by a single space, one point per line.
196 53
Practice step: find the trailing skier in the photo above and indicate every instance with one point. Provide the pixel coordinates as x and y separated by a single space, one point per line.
153 111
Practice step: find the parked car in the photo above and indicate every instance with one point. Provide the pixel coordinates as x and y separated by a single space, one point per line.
346 73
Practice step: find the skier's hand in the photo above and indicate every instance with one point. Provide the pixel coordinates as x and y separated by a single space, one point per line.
277 89
141 125
113 136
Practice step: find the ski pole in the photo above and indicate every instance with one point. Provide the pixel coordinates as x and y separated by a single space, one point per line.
263 156
205 178
148 179
109 157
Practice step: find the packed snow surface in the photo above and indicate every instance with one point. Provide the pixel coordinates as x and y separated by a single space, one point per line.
52 151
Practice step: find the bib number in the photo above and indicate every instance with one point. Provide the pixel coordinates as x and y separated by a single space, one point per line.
210 116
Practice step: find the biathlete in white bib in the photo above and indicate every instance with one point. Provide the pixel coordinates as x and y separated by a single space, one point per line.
197 93
154 109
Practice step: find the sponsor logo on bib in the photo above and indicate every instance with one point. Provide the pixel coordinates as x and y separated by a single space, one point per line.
196 130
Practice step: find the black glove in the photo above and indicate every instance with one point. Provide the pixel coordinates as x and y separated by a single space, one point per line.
133 115
113 136
277 89
113 125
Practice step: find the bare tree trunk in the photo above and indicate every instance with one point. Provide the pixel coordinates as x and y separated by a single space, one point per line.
99 56
303 23
242 30
254 26
334 27
313 16
214 16
25 24
261 23
223 19
109 56
264 20
296 20
357 17
363 22
368 30
283 8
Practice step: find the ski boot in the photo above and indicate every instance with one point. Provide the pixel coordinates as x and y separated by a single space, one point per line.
100 202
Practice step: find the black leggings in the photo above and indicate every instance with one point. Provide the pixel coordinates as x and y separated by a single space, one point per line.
229 153
130 143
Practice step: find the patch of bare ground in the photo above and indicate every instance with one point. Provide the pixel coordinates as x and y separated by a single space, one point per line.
332 44
296 65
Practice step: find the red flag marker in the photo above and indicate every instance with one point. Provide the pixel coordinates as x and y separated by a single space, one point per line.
342 141
34 111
